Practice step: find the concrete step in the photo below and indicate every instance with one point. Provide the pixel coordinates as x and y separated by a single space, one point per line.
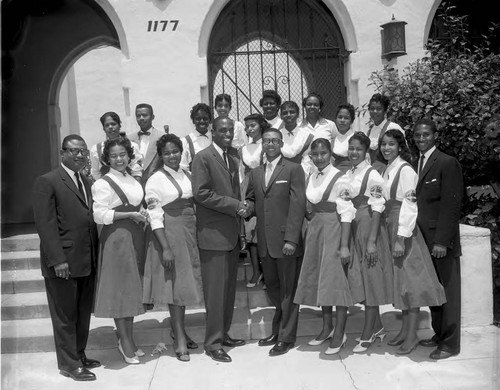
35 335
21 242
24 306
22 281
20 260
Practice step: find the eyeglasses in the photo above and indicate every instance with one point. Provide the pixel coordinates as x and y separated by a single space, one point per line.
274 141
75 151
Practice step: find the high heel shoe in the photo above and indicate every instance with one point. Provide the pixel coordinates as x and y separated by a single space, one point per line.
363 345
139 352
315 342
402 351
191 344
132 360
259 279
376 334
333 351
395 343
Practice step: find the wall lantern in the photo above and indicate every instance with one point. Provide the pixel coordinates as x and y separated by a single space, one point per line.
393 39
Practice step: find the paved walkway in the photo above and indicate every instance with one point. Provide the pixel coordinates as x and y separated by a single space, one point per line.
303 368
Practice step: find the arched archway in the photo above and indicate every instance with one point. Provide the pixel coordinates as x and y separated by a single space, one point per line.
302 32
40 41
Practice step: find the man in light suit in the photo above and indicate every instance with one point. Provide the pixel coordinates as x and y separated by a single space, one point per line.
62 205
439 198
276 195
216 192
146 138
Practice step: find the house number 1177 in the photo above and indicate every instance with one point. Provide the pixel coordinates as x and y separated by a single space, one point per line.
161 25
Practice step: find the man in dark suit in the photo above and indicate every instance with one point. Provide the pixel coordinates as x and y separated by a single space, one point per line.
146 138
62 205
216 192
439 199
276 195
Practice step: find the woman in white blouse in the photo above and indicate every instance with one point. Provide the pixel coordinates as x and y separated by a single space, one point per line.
323 277
117 201
415 280
314 121
370 243
343 118
251 156
172 272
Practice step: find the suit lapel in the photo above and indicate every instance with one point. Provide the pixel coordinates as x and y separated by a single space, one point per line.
219 159
151 152
68 181
276 172
427 166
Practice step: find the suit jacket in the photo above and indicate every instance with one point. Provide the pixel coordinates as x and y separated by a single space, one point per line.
65 224
216 192
151 158
439 198
280 207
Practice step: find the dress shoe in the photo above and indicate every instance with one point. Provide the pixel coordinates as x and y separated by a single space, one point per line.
90 363
430 343
281 348
252 284
139 352
128 360
79 374
406 351
219 355
270 340
189 343
229 342
395 342
363 345
315 342
439 354
333 351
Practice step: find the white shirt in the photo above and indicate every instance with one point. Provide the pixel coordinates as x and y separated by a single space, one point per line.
144 141
405 193
341 143
375 132
240 138
426 157
106 199
324 128
270 167
250 157
340 193
374 185
72 175
200 142
275 122
160 191
95 161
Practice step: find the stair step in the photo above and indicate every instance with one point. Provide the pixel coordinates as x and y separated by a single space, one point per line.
21 242
18 260
24 306
22 281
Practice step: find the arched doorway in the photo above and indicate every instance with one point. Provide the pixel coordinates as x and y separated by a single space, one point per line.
292 46
40 41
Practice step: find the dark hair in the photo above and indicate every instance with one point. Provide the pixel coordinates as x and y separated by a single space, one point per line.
69 138
165 139
108 144
270 93
379 98
405 153
218 119
145 105
426 122
290 103
321 141
223 96
112 115
362 138
317 96
259 118
349 107
272 130
203 108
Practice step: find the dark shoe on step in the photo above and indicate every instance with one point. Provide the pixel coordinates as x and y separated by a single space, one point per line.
281 348
183 356
439 354
229 342
219 355
90 363
270 340
428 343
79 374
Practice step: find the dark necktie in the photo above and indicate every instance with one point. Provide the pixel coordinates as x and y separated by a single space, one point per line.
319 174
80 186
353 169
421 163
290 133
224 155
143 133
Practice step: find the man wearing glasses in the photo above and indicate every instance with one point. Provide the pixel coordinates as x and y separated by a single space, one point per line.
62 206
276 195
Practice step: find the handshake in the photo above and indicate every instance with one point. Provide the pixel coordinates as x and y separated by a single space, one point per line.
244 209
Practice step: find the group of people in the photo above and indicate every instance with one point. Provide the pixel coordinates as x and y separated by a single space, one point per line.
329 216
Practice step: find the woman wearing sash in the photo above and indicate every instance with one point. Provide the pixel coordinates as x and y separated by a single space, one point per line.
323 279
251 156
111 124
172 271
415 280
117 199
370 243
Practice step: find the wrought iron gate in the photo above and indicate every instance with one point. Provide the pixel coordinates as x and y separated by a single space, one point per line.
292 46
